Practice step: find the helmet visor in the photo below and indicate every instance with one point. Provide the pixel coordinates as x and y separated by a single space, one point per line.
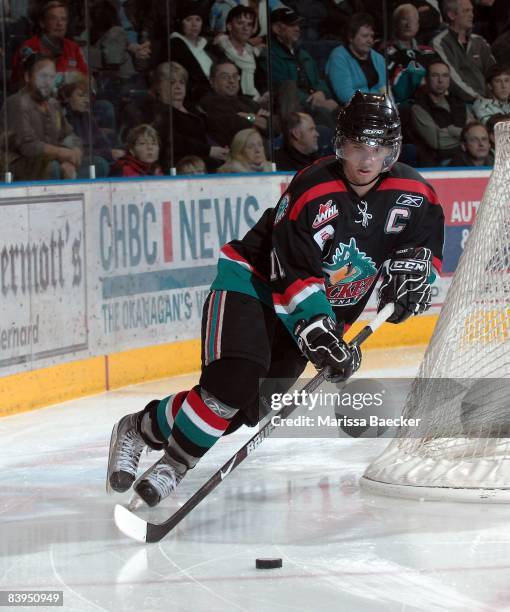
366 149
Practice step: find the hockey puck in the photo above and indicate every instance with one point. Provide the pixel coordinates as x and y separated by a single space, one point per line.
268 563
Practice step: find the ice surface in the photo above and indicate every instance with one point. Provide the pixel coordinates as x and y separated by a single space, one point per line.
342 549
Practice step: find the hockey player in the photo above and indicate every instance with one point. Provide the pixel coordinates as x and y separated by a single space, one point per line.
284 293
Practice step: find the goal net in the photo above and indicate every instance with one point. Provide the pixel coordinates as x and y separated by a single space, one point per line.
461 448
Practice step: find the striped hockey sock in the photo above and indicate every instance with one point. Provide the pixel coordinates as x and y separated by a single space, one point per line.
189 425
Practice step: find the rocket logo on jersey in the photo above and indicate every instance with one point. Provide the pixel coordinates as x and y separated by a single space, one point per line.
350 274
326 212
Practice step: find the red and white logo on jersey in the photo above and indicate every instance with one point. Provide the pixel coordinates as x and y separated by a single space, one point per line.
323 235
326 212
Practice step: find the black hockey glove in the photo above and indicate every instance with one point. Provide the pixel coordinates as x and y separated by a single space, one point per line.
405 282
321 342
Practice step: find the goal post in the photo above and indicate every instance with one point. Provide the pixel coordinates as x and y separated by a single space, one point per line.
461 394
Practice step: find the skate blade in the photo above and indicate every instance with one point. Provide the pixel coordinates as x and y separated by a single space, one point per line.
135 503
113 441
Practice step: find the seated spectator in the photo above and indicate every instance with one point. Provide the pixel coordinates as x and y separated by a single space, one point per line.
498 84
191 164
246 153
227 111
52 41
437 118
18 25
75 97
338 14
474 147
111 56
313 13
189 128
219 12
295 75
260 37
44 145
490 125
468 55
430 19
166 99
145 23
241 22
220 9
501 46
355 65
191 50
300 142
490 18
109 42
142 144
407 60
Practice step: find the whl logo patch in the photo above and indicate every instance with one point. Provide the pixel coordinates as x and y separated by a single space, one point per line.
408 199
326 212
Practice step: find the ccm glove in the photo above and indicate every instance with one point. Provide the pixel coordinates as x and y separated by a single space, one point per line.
320 341
405 282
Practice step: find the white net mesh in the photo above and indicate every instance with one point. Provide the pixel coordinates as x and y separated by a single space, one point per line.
462 390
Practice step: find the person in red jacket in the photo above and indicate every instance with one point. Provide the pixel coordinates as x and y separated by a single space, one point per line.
143 152
53 22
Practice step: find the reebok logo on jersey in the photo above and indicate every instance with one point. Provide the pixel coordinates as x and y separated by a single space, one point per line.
408 199
326 212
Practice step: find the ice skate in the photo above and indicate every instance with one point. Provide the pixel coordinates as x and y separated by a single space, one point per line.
160 480
126 446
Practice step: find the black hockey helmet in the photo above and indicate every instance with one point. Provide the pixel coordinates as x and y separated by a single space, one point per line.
371 119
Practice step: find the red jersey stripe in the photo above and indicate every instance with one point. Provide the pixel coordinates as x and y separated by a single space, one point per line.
438 264
204 412
295 288
321 190
177 402
404 184
234 255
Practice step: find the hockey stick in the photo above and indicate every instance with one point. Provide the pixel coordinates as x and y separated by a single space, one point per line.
139 529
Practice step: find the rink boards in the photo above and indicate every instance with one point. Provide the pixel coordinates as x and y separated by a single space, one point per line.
102 283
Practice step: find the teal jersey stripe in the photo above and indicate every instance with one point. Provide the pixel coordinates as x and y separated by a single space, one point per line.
313 305
214 324
164 427
232 276
192 432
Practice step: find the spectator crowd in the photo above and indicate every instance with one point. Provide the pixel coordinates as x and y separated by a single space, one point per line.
124 88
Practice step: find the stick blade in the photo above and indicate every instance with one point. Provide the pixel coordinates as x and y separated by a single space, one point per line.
130 524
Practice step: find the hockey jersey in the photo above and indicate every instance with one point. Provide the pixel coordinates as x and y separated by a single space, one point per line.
321 249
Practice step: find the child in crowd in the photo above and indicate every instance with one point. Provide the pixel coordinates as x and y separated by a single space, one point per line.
143 152
191 164
498 84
